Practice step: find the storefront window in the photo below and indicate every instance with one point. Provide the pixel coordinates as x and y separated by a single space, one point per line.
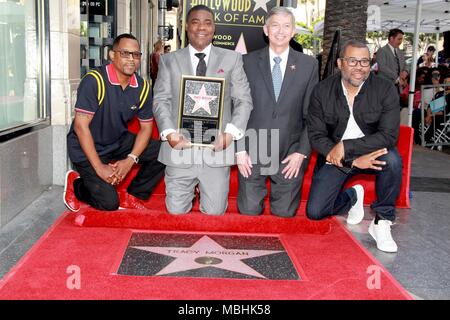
21 82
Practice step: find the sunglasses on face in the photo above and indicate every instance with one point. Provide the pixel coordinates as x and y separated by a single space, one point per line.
126 54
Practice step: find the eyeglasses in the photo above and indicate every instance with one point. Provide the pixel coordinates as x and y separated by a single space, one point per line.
353 62
126 54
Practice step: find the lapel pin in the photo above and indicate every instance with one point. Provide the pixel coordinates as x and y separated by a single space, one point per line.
293 67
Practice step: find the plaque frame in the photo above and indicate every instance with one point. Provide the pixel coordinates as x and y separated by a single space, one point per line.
184 116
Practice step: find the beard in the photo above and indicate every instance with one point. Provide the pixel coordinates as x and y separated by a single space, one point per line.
354 82
128 70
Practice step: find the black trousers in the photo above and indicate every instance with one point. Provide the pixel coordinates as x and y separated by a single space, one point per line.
99 194
284 193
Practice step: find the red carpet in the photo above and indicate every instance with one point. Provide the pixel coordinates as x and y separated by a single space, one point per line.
331 263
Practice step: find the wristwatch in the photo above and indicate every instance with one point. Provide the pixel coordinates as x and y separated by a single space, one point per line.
134 157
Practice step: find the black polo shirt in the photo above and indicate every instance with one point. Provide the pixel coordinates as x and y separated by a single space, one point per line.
111 116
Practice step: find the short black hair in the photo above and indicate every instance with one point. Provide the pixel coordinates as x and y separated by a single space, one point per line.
123 36
431 48
422 71
199 7
354 44
394 33
429 75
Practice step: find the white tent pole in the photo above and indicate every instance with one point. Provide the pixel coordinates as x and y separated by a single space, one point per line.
437 49
412 80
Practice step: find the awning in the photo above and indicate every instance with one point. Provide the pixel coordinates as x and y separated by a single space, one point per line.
401 14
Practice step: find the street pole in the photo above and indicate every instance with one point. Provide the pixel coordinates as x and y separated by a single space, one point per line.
412 80
162 6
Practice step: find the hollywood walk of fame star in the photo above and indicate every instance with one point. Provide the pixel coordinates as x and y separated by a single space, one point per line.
260 4
202 100
206 253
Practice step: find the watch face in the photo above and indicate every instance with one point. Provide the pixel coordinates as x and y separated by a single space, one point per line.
135 158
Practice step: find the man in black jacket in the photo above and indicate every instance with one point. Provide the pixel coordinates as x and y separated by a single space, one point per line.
353 123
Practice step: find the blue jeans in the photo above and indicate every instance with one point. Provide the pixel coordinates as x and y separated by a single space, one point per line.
327 198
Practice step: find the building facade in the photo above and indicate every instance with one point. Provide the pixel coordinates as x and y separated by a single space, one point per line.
45 48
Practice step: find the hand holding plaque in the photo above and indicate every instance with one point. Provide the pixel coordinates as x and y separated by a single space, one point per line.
201 105
178 141
222 142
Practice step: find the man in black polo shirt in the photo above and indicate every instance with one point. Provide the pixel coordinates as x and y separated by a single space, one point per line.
100 146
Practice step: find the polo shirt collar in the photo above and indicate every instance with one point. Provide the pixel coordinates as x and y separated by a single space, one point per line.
114 80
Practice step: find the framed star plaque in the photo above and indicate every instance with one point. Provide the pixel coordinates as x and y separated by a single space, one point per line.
201 106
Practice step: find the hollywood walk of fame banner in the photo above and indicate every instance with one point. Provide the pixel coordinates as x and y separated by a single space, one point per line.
201 106
239 23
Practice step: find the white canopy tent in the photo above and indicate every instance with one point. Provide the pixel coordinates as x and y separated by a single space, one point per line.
386 15
401 14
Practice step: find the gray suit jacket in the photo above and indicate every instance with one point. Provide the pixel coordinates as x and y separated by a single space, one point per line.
387 64
288 114
222 63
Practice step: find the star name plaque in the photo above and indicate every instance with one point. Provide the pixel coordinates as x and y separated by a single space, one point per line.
201 106
207 256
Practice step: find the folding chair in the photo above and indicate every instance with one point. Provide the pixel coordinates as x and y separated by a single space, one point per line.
442 135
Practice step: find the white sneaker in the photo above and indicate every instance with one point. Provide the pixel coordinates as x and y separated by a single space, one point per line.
356 213
381 232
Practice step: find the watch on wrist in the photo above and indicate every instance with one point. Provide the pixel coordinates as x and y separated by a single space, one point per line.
134 157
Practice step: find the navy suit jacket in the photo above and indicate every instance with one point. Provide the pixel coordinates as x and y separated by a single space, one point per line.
288 114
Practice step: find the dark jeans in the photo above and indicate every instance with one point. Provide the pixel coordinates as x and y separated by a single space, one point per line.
327 198
90 188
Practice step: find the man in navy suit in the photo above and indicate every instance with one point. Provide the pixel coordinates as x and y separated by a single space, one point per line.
281 81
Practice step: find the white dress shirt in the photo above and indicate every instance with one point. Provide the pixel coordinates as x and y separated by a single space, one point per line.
284 58
195 60
352 131
230 128
394 52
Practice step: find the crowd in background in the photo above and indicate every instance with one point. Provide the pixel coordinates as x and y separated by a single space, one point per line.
429 71
159 48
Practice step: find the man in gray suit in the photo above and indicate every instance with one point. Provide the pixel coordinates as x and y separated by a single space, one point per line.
187 165
390 58
281 81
